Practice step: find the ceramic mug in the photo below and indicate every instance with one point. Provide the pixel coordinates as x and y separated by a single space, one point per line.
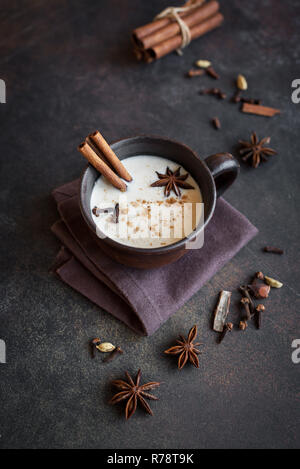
213 175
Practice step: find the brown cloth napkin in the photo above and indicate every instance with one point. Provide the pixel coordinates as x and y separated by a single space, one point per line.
142 299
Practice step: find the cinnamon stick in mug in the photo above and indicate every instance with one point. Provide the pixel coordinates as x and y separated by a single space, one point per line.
110 155
87 151
194 17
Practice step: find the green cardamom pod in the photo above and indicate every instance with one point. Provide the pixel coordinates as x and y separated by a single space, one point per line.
272 282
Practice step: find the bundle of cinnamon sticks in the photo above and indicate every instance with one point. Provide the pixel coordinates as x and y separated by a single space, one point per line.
164 35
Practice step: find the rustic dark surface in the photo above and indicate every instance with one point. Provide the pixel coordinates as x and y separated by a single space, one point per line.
69 70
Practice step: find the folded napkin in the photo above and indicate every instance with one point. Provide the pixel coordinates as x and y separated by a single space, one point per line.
142 299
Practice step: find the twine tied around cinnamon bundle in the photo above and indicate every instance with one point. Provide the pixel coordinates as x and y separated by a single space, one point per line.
173 13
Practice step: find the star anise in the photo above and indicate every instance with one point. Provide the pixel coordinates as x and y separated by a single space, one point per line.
133 391
256 149
172 181
187 349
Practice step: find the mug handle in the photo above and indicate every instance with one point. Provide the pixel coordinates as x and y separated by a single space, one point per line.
224 169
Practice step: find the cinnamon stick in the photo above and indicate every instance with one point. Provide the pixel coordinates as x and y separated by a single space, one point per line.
110 155
87 151
197 15
150 28
259 110
174 42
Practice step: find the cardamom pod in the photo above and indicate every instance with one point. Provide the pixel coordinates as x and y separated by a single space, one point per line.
105 347
241 82
203 63
272 282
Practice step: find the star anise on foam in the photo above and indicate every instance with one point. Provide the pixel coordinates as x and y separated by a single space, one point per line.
187 349
172 181
256 149
133 392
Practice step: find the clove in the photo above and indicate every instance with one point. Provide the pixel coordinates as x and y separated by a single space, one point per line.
94 343
246 293
259 309
215 92
260 276
211 72
250 101
117 351
194 73
216 123
246 304
273 249
96 211
227 328
116 213
237 97
243 325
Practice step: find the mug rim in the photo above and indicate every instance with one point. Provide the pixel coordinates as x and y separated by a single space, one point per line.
163 249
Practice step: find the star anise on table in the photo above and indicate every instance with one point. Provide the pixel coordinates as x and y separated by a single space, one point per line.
256 150
133 392
186 349
172 181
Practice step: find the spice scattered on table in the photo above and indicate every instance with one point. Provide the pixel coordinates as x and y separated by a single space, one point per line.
214 92
244 290
134 392
94 344
221 311
273 282
206 66
186 349
259 110
195 73
259 289
216 123
227 328
245 302
203 63
250 100
273 249
212 73
255 150
117 351
241 83
236 98
258 316
105 348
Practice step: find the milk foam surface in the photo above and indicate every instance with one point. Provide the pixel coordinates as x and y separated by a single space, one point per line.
147 218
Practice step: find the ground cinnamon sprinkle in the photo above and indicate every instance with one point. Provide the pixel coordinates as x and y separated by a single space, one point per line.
171 201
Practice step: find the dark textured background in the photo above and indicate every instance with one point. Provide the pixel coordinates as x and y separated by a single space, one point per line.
69 69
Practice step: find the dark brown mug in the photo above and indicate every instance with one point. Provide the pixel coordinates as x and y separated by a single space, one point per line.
214 176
